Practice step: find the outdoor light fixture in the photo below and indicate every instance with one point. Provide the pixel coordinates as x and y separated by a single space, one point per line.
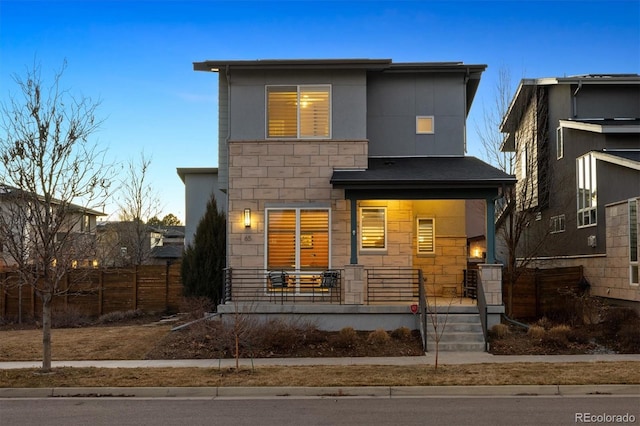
247 218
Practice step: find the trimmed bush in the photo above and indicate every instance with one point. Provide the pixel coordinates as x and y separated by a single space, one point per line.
629 337
557 336
499 331
536 332
378 337
615 318
118 316
346 337
402 333
68 317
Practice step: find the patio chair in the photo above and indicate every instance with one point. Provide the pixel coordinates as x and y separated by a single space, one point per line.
329 279
470 284
278 279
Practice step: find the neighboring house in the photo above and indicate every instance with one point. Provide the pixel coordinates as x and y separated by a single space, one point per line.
127 243
350 167
77 232
577 149
200 183
169 247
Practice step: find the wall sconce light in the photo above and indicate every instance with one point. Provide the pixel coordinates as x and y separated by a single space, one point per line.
247 218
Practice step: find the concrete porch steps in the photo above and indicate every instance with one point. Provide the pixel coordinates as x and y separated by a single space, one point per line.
462 333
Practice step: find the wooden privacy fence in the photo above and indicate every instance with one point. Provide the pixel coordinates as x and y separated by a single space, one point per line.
540 292
95 292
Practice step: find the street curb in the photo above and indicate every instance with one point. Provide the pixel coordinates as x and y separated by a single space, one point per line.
320 392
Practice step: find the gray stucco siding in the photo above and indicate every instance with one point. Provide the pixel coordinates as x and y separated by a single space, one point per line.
248 101
394 102
608 101
198 189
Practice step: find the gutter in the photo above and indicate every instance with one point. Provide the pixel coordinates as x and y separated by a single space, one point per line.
575 102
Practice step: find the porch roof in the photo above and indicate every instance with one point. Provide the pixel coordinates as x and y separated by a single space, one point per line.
400 173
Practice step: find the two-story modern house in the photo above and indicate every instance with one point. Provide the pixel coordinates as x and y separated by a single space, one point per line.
19 232
346 182
577 149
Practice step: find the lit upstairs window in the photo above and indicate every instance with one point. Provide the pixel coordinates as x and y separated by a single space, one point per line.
299 112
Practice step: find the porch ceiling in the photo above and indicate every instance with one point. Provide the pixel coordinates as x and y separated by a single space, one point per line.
425 177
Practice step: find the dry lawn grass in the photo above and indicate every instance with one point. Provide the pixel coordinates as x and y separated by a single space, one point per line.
135 341
90 343
315 376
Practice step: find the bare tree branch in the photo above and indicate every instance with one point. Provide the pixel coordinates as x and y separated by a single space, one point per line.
52 177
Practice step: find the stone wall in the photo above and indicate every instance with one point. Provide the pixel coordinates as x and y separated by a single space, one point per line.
296 172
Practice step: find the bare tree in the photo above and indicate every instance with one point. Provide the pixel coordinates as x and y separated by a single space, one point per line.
51 178
488 131
138 203
526 155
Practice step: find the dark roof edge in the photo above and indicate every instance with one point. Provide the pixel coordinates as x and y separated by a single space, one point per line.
183 171
358 63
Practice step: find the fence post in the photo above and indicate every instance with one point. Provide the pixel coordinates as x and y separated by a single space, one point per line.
3 300
166 286
66 290
100 293
33 301
135 287
538 291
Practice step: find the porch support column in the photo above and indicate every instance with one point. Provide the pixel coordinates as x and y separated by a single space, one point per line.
354 231
491 230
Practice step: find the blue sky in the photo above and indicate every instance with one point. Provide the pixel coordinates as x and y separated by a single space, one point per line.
136 56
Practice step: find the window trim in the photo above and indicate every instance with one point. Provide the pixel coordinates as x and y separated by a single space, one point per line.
559 143
433 235
433 126
633 223
385 230
298 87
557 224
591 211
298 233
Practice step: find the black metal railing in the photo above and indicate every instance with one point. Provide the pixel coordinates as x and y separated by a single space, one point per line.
283 286
392 285
422 308
482 309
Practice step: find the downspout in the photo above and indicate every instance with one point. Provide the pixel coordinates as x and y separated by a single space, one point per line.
466 81
575 102
226 143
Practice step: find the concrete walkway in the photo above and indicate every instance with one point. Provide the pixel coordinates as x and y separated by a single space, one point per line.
428 359
326 392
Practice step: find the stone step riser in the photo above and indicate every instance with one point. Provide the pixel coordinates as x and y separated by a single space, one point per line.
456 347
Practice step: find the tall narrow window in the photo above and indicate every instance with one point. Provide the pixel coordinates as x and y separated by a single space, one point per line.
633 241
426 240
559 143
587 199
299 111
282 111
373 228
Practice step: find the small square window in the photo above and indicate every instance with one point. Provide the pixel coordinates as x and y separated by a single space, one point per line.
424 125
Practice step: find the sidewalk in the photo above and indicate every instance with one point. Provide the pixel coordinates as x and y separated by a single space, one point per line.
428 359
327 392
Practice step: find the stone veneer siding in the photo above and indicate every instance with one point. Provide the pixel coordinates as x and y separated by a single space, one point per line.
295 172
267 173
